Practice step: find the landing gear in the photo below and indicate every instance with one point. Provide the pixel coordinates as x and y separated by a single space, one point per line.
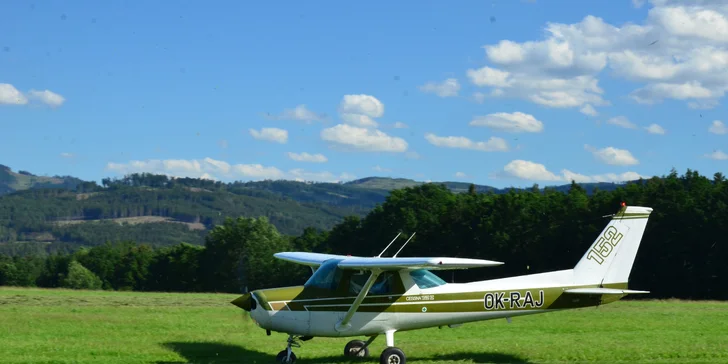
358 348
287 356
392 354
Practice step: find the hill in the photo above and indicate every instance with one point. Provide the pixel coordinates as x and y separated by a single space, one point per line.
45 214
22 180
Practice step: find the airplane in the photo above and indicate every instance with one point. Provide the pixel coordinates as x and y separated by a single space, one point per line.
350 296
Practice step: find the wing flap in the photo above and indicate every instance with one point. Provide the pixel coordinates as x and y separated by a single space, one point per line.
597 290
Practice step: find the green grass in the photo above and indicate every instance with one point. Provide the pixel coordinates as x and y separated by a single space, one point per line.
64 326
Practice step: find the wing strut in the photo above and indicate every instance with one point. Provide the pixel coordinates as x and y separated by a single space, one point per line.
344 324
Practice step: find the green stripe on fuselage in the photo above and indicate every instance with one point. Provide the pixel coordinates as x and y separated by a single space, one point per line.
298 299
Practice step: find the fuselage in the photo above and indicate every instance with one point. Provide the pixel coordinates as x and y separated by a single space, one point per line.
408 300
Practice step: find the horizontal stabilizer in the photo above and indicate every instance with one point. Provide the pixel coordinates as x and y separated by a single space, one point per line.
365 263
597 290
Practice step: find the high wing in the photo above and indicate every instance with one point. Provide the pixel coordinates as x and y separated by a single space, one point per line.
309 259
364 263
414 263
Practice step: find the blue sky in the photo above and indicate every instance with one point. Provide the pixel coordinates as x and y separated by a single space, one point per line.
501 93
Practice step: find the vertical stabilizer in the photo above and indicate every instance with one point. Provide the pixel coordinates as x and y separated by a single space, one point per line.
611 256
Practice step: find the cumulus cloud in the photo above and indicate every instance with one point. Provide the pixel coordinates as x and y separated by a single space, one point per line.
9 95
494 144
532 171
717 127
361 110
622 122
678 52
400 125
447 88
47 97
363 139
306 157
588 110
209 168
655 129
613 156
300 113
717 155
461 175
516 122
67 155
270 134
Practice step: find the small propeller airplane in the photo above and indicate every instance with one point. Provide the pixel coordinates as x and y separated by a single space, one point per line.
371 296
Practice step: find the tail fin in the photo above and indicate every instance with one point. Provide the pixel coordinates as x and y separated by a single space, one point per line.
611 256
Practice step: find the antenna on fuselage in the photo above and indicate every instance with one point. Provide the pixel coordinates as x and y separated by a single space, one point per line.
405 243
390 243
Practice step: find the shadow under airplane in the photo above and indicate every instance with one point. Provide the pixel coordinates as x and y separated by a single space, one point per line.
220 353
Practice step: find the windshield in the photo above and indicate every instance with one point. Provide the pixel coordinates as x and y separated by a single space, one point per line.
425 279
327 276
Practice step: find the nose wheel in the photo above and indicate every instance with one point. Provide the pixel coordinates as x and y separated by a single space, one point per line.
287 356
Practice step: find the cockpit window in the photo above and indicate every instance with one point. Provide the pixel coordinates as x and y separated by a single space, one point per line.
327 276
385 283
425 279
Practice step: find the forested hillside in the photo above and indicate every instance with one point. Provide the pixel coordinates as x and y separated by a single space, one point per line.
683 252
162 211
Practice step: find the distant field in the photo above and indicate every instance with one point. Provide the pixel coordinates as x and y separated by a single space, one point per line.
64 326
135 220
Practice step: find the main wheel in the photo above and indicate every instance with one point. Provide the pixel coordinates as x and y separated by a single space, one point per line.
354 348
392 356
281 357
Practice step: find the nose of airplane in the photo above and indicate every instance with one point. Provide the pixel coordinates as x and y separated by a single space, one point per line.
246 302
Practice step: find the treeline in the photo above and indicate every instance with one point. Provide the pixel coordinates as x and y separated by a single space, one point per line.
683 252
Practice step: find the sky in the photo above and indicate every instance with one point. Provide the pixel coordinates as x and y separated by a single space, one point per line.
499 93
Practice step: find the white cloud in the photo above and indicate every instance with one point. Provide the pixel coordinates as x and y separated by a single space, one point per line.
622 121
717 155
361 104
613 156
638 3
270 134
361 110
588 110
47 97
9 95
717 127
363 139
67 155
301 113
516 122
678 52
494 144
447 88
461 175
400 125
306 157
380 169
655 129
532 171
209 168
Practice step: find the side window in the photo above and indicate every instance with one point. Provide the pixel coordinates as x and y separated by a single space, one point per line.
386 283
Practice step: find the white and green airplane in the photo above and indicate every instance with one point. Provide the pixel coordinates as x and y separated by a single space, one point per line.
371 296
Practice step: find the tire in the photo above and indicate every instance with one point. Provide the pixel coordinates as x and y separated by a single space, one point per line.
392 356
351 348
281 357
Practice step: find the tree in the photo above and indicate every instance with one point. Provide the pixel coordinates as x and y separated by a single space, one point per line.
80 278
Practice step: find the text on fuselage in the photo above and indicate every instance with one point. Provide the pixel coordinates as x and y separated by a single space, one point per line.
498 300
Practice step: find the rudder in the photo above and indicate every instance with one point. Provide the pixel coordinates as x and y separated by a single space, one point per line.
611 256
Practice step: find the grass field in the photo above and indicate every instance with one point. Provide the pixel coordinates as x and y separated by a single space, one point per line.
64 326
